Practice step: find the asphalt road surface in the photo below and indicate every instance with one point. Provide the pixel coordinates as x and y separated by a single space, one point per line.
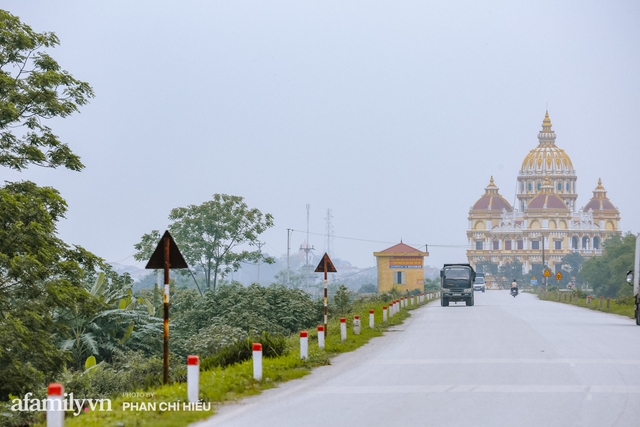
504 362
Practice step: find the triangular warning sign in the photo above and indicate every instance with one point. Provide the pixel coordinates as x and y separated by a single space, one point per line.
325 262
175 257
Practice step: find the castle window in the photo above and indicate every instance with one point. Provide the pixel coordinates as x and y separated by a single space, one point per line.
585 242
596 243
529 187
399 278
479 245
535 244
520 244
522 187
507 245
568 187
539 186
558 244
574 243
496 245
559 186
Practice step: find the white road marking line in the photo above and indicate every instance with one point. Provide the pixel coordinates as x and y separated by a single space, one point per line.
499 361
478 388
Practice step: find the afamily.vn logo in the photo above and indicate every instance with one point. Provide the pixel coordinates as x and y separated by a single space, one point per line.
69 403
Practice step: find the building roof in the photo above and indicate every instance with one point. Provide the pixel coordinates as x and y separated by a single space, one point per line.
492 200
600 201
547 201
401 249
547 158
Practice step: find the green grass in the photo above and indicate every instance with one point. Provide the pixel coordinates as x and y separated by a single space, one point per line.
220 385
623 309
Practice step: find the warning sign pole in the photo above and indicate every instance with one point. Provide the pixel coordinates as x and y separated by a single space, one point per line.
326 266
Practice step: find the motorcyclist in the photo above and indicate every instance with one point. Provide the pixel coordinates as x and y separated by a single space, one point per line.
514 285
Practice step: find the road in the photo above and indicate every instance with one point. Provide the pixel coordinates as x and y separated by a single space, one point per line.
504 362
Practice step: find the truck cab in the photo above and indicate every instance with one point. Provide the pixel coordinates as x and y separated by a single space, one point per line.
456 283
633 277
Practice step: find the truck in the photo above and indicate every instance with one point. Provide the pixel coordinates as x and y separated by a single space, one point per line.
633 278
456 283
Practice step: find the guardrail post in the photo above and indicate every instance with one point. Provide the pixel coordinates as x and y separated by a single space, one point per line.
608 301
304 345
257 361
55 413
356 325
384 313
601 298
372 322
588 299
343 329
193 378
321 337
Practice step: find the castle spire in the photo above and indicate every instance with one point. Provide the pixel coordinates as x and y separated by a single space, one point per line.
547 136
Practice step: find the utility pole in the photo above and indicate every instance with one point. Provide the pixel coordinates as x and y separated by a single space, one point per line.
543 263
259 245
288 256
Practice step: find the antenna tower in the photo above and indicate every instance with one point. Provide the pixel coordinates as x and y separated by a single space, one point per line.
307 248
328 244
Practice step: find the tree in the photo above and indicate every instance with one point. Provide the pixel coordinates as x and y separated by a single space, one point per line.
571 264
208 233
34 88
511 270
607 273
40 275
487 267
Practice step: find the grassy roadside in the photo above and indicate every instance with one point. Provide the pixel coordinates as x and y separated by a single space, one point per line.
620 306
220 385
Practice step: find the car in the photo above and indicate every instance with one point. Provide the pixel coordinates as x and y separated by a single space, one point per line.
478 284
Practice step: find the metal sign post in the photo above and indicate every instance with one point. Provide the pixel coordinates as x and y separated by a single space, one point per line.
558 278
326 266
166 256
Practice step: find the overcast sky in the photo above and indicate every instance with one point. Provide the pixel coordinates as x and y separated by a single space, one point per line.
393 114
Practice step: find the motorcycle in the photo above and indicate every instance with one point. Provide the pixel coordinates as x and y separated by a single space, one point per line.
514 292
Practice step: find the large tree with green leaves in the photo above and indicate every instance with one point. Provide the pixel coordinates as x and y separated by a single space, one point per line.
208 235
34 88
607 273
40 275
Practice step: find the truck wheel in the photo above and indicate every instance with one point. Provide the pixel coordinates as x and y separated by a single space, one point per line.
445 302
470 302
638 314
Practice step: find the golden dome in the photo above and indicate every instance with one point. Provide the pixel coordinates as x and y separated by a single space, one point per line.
547 158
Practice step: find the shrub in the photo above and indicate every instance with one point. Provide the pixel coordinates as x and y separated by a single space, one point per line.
238 352
211 339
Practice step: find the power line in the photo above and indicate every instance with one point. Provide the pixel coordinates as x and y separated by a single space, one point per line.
382 241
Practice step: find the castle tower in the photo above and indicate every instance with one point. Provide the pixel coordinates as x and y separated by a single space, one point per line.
547 161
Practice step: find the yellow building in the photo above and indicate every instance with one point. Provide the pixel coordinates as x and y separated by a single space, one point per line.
546 218
401 266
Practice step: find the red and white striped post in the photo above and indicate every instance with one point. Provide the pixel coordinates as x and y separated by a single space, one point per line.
343 329
304 345
55 413
321 337
371 320
356 325
193 378
384 313
412 300
257 361
391 310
